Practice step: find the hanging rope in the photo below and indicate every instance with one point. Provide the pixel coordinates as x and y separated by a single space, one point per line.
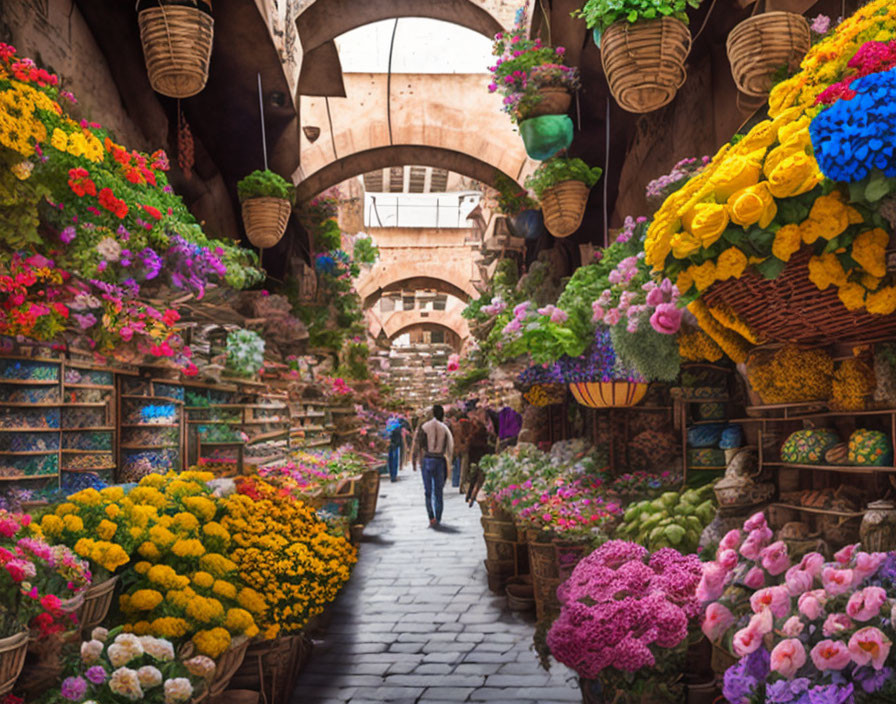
606 173
705 20
264 141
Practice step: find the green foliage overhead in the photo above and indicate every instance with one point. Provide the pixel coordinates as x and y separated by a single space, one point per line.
365 251
560 169
602 13
265 184
512 200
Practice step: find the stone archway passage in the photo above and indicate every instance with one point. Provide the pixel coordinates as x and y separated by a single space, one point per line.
403 320
452 278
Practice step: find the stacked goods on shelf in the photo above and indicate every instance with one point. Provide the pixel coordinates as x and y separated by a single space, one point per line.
267 427
150 427
88 395
215 441
312 423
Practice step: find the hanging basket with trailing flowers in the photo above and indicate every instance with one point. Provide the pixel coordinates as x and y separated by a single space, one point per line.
267 199
562 185
177 45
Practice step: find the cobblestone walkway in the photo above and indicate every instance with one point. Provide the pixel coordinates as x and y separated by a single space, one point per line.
417 622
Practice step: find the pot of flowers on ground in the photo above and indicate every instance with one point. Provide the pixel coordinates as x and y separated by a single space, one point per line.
624 623
813 630
536 86
562 186
177 44
643 48
267 199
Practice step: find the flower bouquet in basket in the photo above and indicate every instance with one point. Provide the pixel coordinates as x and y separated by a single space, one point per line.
625 620
118 667
808 632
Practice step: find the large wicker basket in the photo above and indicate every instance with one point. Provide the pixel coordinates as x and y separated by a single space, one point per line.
759 46
790 308
644 62
270 667
12 658
608 394
555 100
97 601
177 46
227 665
265 220
563 207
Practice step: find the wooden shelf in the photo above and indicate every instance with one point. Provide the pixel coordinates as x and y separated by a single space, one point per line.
86 452
223 443
88 386
149 447
103 404
84 470
193 421
30 382
262 421
318 443
848 468
163 399
29 430
29 452
29 476
28 404
820 511
695 468
150 425
101 428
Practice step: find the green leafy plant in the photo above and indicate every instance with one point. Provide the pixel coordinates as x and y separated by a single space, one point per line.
601 14
559 169
245 352
512 200
365 251
265 184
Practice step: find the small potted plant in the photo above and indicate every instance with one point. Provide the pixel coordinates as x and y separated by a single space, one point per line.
267 199
177 44
522 211
644 44
562 186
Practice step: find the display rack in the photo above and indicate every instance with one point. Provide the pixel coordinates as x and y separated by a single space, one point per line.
88 421
150 429
214 417
312 424
267 425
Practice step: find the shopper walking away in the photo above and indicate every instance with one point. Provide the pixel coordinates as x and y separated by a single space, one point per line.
395 429
434 445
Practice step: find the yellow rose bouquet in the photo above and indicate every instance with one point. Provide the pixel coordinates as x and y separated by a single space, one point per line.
185 587
287 555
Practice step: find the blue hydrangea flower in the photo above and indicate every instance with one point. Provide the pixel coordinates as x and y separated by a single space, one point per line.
852 137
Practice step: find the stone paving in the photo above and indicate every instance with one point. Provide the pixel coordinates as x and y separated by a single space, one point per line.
417 623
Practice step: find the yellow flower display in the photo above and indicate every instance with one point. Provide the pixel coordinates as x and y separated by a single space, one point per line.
790 375
735 346
706 222
697 346
788 241
753 205
852 384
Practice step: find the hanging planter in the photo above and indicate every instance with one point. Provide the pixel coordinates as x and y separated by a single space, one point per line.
608 394
529 224
552 100
546 135
267 201
644 62
760 45
177 45
562 186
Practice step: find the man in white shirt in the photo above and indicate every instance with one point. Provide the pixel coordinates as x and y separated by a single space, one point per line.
434 444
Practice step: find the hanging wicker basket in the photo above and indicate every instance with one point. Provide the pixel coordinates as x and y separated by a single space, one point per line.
760 45
790 308
608 394
12 659
265 220
177 46
644 62
555 100
563 206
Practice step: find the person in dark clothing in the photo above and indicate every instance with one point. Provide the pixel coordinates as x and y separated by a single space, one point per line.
396 428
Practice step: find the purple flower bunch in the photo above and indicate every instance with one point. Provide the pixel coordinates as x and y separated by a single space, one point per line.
622 607
635 298
661 187
599 363
192 266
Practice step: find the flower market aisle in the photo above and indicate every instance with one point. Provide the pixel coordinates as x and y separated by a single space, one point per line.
417 623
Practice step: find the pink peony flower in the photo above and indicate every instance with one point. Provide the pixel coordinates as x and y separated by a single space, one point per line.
712 583
792 627
774 558
867 564
666 319
810 604
844 555
611 317
830 655
865 604
836 581
835 624
755 578
727 559
757 520
718 619
774 598
762 622
869 645
746 641
731 541
813 563
797 581
787 657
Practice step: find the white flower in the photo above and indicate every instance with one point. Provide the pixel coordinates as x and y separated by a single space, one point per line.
158 648
201 666
99 633
109 249
124 650
149 676
178 690
124 682
91 652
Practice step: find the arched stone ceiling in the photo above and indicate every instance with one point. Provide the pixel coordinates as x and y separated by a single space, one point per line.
397 321
418 283
451 275
426 324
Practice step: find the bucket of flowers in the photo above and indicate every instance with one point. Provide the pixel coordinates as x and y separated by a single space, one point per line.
267 199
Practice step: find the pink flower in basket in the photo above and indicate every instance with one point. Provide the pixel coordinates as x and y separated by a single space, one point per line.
869 646
787 657
775 598
836 581
830 655
774 558
866 604
836 624
718 620
810 604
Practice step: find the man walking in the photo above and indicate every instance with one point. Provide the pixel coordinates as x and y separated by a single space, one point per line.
395 429
435 445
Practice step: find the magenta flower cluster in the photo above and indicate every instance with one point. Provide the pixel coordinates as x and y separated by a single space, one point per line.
622 606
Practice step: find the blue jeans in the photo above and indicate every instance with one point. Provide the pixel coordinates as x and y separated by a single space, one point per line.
394 459
455 472
435 473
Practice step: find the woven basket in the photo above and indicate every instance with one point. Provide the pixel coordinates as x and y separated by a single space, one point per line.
97 601
759 46
555 100
177 46
608 394
790 308
370 490
563 206
644 62
12 659
270 667
265 220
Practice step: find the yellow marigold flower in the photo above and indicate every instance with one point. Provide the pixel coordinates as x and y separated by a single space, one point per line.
106 529
216 564
188 548
788 240
167 577
826 270
239 621
66 508
149 551
794 175
224 589
852 296
145 600
59 139
213 642
185 522
179 487
161 536
203 580
142 567
753 205
73 523
112 493
704 275
200 506
154 481
869 250
217 531
828 217
205 610
272 631
168 627
684 282
112 511
684 244
737 172
881 302
193 475
51 525
730 264
252 601
148 495
87 497
706 221
141 628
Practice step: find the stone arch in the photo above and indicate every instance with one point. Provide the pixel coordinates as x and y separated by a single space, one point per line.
419 283
384 277
456 342
401 319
